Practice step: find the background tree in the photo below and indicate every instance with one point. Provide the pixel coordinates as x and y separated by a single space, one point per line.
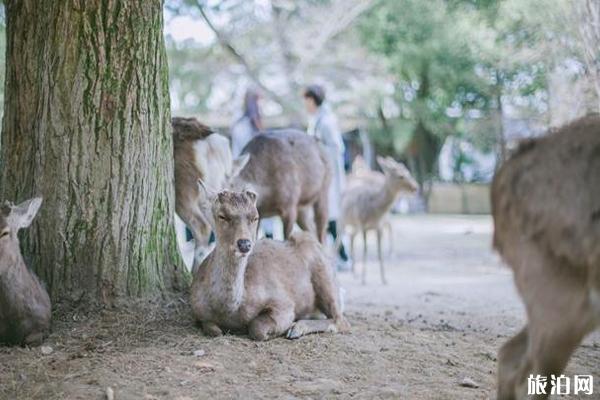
278 46
429 45
87 126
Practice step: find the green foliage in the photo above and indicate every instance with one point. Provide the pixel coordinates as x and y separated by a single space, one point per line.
431 47
457 63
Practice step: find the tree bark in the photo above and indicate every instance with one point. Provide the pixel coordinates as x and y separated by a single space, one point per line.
425 146
87 125
502 151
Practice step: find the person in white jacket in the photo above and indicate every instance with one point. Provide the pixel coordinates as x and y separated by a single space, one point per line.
242 131
323 125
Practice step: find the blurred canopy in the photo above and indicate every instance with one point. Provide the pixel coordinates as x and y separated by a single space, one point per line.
410 72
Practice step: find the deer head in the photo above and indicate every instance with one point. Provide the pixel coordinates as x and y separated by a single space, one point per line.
12 219
234 219
398 174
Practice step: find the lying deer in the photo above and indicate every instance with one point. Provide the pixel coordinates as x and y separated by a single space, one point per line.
24 303
291 173
199 153
366 203
266 288
546 208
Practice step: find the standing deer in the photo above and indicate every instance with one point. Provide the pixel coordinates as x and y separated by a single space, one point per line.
361 175
546 208
24 303
199 153
366 202
266 288
290 172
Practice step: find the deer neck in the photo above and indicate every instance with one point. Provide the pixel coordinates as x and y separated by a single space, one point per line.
228 278
11 275
387 197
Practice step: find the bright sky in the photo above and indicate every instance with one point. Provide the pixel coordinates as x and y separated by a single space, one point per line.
183 27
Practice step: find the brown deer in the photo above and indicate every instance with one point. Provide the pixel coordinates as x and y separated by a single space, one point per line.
367 201
360 175
266 288
24 303
546 208
199 153
290 172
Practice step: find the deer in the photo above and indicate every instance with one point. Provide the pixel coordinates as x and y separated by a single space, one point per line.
25 308
199 153
366 203
264 288
362 174
546 211
290 172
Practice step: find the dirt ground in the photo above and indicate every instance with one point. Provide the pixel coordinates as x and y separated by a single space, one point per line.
448 307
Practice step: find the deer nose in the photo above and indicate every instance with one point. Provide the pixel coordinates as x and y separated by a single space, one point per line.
244 245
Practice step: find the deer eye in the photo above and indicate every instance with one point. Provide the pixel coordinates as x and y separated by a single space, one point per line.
223 218
4 234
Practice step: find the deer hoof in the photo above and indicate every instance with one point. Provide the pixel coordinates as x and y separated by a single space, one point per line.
34 339
342 325
258 335
212 331
296 331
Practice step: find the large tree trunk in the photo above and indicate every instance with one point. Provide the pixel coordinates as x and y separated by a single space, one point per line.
86 125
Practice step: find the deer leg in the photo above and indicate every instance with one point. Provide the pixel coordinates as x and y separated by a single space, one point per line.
559 316
512 365
550 349
211 329
307 326
289 219
352 236
34 339
388 225
321 215
327 299
272 322
380 256
306 220
364 266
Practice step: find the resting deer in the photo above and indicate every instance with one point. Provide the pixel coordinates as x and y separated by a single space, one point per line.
546 208
291 173
266 288
199 153
24 303
366 203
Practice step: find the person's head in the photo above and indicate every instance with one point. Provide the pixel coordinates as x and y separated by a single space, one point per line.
314 96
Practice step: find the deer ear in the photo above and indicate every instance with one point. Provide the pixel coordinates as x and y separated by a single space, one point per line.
384 164
239 164
252 196
209 194
402 168
22 215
